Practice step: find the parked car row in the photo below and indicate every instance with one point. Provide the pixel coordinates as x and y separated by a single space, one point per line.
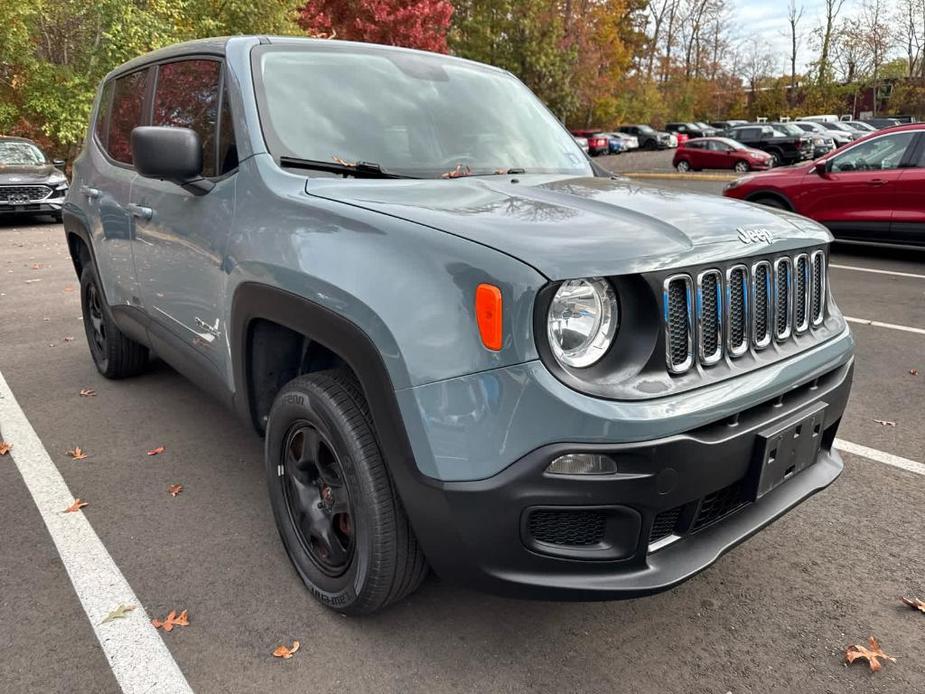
867 192
624 139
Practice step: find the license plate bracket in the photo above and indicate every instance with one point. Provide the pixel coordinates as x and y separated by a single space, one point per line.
787 448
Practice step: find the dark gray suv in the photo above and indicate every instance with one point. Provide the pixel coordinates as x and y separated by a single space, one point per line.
467 348
30 182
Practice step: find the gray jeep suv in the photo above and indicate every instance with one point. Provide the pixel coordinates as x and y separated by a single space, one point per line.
467 348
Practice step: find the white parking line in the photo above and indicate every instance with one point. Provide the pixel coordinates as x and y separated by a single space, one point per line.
138 657
891 326
878 272
880 456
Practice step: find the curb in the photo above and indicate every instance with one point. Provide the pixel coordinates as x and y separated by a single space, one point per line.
677 176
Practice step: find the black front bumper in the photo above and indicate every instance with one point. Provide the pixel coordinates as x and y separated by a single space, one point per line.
675 505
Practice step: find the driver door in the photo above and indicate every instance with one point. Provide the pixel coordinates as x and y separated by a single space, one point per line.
856 198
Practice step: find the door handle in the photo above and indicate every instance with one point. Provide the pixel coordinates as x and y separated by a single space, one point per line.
877 182
91 193
140 211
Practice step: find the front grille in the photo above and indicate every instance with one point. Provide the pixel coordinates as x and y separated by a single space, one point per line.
783 298
709 316
678 323
737 309
665 524
801 281
718 505
817 292
567 527
740 308
761 304
24 193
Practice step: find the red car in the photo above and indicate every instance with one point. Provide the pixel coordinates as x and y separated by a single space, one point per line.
598 142
871 191
719 153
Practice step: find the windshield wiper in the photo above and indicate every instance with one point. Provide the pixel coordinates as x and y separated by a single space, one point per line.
360 169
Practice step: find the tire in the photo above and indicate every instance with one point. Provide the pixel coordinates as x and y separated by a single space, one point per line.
683 166
776 159
770 201
115 354
336 508
742 167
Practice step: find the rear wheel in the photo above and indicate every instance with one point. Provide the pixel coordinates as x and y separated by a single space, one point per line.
683 166
334 502
742 166
115 355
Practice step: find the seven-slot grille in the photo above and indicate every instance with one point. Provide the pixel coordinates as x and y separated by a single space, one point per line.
24 193
741 308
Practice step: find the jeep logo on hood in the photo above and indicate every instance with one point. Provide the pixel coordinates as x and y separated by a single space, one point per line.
755 235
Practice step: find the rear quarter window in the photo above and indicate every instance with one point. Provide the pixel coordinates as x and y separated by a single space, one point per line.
102 112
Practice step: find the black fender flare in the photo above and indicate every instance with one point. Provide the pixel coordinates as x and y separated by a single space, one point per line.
254 301
74 226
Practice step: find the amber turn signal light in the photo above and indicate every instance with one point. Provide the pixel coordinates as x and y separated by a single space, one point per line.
488 314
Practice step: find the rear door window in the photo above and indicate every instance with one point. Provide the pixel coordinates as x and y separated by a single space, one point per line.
186 96
127 111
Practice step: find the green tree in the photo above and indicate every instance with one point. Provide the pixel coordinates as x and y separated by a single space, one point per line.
523 36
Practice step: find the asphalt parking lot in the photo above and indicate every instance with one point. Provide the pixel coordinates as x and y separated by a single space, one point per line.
772 615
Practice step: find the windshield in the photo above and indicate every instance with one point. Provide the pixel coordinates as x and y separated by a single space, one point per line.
700 124
734 144
789 128
415 114
838 126
647 129
20 154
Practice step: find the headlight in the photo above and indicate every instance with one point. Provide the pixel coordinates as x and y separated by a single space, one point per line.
582 321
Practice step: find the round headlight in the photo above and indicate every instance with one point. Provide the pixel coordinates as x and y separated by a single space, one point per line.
582 321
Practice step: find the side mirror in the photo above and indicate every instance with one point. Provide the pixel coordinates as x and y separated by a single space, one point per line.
170 154
821 168
58 163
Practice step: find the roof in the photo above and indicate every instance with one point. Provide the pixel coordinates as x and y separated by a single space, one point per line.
215 46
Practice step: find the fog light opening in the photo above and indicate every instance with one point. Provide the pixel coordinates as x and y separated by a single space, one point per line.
582 464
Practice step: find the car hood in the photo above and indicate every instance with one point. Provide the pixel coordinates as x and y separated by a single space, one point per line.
577 227
26 174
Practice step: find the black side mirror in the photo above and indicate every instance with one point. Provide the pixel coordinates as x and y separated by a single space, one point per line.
170 154
58 163
821 167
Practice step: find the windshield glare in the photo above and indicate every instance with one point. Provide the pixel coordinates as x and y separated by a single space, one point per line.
411 113
20 154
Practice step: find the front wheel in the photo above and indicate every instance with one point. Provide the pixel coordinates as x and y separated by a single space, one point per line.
334 502
683 166
742 166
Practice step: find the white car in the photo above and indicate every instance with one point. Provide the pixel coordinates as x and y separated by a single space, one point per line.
629 141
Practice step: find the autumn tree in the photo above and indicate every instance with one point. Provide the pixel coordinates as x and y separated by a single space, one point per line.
411 23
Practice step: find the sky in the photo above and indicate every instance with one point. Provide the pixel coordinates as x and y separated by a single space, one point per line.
768 19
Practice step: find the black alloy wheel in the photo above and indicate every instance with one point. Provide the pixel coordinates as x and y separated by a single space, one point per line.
317 498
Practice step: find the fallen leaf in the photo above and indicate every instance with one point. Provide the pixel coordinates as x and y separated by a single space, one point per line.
915 603
172 620
871 654
87 393
119 613
77 453
155 451
36 266
33 281
885 423
76 506
68 289
174 489
914 372
5 447
286 653
68 338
